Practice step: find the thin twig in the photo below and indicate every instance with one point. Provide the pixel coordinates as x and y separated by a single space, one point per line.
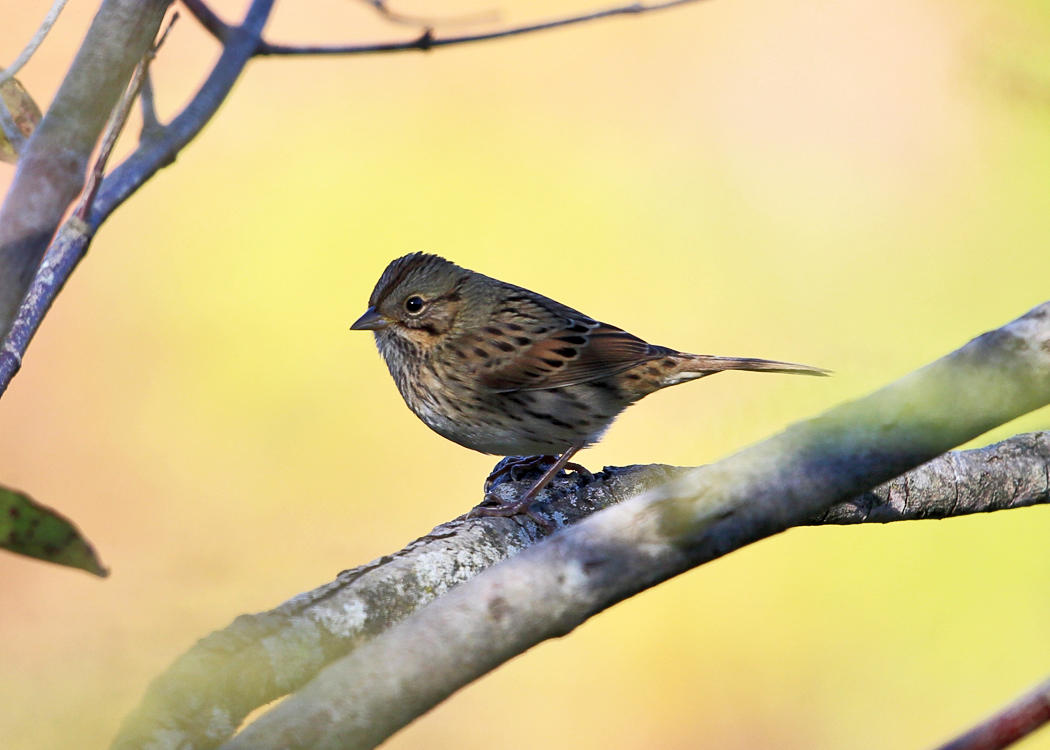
151 125
208 19
70 245
1010 724
381 7
109 138
72 239
117 121
427 40
38 38
52 166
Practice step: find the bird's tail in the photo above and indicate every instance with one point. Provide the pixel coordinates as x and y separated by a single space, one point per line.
691 366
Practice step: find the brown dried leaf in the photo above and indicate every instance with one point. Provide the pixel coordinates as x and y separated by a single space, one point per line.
23 111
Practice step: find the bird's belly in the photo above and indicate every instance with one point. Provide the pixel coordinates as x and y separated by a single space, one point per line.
520 423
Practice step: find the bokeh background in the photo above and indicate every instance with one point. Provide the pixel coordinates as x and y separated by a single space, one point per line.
857 184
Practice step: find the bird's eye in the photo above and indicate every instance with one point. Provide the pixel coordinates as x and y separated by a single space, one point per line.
414 304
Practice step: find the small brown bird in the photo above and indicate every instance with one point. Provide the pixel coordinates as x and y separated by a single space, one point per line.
506 371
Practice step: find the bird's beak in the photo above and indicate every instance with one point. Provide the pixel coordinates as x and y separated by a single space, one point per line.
370 321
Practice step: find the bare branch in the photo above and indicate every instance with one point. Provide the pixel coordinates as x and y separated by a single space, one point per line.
382 8
51 168
358 605
151 125
427 40
548 590
265 651
151 155
116 123
1012 723
208 19
37 39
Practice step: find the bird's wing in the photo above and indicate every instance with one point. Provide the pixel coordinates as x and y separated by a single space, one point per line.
535 343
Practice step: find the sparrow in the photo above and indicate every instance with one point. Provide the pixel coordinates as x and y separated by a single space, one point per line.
503 370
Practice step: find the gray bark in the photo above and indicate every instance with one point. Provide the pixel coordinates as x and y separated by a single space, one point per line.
547 590
208 691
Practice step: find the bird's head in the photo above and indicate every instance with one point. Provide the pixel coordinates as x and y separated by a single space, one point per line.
415 302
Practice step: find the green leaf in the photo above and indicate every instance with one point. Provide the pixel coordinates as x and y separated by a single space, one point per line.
28 528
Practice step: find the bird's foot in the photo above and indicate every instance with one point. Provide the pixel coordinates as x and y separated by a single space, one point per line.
521 505
518 466
495 506
515 467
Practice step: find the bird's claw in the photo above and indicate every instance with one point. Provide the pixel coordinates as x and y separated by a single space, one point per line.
494 506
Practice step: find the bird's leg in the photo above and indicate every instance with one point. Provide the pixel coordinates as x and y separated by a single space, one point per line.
521 505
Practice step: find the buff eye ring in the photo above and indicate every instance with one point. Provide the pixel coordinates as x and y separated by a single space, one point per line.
414 305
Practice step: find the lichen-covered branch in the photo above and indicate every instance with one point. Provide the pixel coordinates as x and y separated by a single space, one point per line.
51 169
208 691
274 653
550 588
1012 474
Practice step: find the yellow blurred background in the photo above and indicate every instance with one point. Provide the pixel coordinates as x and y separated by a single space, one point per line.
859 184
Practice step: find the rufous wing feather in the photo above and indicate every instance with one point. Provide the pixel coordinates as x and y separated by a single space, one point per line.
580 351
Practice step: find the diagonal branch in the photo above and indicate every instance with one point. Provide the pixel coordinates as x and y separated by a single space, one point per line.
266 655
156 150
427 40
265 651
549 589
51 168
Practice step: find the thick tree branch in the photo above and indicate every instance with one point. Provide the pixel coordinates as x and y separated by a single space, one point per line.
427 40
549 589
259 658
51 168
